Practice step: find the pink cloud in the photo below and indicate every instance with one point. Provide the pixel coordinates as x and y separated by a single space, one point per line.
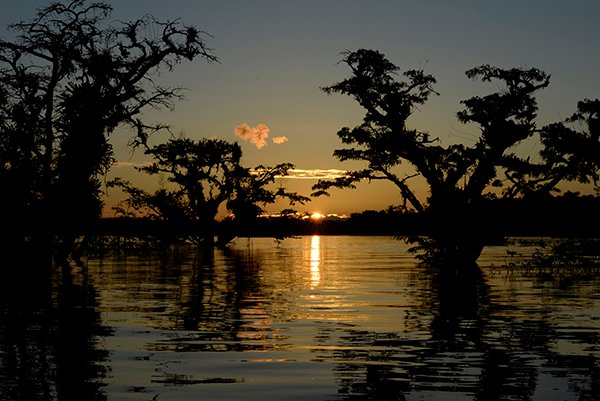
280 139
257 135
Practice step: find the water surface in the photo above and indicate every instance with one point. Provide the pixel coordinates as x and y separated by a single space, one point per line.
313 318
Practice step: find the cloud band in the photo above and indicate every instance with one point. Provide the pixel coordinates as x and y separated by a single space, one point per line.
314 174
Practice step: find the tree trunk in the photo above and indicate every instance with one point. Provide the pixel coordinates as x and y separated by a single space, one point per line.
456 229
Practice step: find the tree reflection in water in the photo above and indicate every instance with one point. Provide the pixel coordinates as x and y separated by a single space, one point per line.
472 350
226 308
48 333
254 319
460 340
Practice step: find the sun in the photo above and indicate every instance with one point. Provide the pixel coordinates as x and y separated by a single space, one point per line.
316 216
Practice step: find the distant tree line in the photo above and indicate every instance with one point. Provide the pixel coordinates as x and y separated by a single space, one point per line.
573 215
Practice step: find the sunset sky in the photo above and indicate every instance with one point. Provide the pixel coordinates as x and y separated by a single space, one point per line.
274 55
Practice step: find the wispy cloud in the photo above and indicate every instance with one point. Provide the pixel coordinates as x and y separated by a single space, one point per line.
294 174
280 139
257 135
314 174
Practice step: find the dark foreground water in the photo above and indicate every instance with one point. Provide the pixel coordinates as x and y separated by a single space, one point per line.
315 318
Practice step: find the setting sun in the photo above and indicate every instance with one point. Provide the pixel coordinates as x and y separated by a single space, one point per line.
316 216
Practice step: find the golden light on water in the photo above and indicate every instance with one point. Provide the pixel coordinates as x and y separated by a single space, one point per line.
315 261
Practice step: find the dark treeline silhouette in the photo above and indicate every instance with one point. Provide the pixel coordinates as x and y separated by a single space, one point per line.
68 79
460 177
572 216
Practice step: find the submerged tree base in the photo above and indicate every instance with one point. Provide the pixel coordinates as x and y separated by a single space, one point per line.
448 254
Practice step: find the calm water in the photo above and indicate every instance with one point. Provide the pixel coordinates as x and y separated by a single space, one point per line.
315 318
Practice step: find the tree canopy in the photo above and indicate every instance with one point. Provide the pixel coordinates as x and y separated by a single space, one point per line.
68 79
458 176
204 176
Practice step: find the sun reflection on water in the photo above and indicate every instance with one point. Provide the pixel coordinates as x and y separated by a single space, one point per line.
315 261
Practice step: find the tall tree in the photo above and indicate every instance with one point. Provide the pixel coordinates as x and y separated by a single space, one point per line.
68 79
459 177
203 177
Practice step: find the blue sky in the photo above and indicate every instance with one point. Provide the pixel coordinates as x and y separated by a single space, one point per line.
274 56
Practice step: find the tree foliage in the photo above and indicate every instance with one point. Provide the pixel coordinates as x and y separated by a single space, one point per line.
383 140
202 177
68 79
460 176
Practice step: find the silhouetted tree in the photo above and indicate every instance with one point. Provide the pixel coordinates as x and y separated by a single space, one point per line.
206 175
571 152
459 177
68 79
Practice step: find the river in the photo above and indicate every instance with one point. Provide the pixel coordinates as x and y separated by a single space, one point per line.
310 318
